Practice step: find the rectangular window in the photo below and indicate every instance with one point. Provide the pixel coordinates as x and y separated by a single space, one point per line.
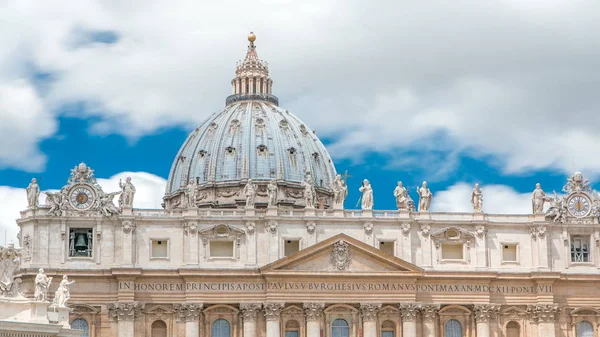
452 251
221 249
580 249
290 247
81 242
159 249
387 247
509 252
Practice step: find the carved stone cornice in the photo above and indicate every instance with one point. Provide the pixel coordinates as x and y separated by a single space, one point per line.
250 310
313 310
409 311
369 311
188 312
124 311
429 312
485 312
273 310
543 313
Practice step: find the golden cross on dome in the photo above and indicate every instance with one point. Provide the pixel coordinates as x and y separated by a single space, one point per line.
345 176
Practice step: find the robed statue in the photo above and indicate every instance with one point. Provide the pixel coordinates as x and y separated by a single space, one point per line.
33 194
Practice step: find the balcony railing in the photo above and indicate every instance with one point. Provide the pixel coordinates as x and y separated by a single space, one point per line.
252 97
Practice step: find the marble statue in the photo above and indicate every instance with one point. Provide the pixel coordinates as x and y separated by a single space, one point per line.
54 200
538 198
107 206
191 193
10 258
42 284
272 193
127 193
402 197
250 193
425 196
340 192
62 294
367 195
309 193
477 199
33 194
557 210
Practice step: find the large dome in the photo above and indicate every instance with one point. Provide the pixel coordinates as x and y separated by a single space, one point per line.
252 138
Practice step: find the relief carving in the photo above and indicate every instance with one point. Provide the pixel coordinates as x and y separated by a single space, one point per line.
250 310
543 313
341 255
409 311
188 312
124 311
485 312
273 310
313 310
369 311
429 312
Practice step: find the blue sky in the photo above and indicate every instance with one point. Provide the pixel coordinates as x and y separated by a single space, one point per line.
502 93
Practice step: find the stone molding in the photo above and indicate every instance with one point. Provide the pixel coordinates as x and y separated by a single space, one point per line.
128 226
485 312
124 311
250 310
273 310
429 312
409 311
369 311
543 313
188 312
313 310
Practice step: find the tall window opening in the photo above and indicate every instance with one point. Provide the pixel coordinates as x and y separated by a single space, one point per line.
292 329
159 329
388 329
340 328
513 330
453 328
81 324
580 249
585 329
220 328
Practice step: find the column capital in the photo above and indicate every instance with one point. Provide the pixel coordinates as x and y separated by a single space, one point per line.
313 310
124 311
409 311
485 312
249 310
273 310
429 312
188 312
543 313
369 311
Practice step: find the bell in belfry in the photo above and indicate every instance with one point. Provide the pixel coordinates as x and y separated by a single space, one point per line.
80 243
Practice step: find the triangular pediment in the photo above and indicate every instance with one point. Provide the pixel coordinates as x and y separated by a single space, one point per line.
341 254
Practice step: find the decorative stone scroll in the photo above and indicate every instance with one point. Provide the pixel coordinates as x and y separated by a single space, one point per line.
313 310
128 226
429 312
272 227
250 310
250 227
340 255
124 311
273 310
409 311
310 227
543 313
190 227
485 312
369 311
188 312
368 226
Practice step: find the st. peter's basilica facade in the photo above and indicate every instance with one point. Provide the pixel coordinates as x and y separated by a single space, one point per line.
253 240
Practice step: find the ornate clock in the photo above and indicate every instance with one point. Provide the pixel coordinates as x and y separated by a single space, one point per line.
579 205
81 197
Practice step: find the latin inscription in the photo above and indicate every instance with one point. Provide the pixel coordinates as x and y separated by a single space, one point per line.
331 287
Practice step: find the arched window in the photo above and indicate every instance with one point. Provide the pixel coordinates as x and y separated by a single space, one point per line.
81 324
159 329
340 328
220 328
453 328
513 329
585 329
388 329
292 329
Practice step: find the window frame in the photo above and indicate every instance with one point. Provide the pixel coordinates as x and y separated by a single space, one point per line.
168 257
84 333
517 253
453 243
223 258
88 228
290 238
588 240
388 240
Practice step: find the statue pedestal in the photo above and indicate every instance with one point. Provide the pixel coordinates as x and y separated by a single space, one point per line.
539 218
272 211
423 215
309 211
126 211
367 213
191 211
479 216
250 211
403 214
59 315
39 312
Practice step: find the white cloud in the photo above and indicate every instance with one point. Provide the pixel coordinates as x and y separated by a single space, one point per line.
512 79
497 199
149 192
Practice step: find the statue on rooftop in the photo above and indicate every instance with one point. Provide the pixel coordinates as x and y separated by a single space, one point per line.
538 198
309 192
272 193
403 199
42 284
63 293
191 193
340 192
425 196
10 258
477 199
250 193
127 193
33 194
367 195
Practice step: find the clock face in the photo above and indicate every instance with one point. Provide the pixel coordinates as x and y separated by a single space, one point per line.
82 198
579 206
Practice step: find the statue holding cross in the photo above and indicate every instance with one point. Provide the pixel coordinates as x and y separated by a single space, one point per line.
340 191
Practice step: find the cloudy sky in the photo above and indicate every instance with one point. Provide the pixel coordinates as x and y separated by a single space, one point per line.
503 93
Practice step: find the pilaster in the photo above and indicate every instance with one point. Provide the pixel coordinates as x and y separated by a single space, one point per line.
249 314
272 315
314 314
369 318
483 315
429 318
190 313
125 313
409 312
545 316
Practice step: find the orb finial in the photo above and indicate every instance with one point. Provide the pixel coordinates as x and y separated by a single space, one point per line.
251 37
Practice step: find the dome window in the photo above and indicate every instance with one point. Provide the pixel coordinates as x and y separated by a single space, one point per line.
303 130
234 126
283 124
316 156
182 158
230 150
262 149
212 127
202 153
292 150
